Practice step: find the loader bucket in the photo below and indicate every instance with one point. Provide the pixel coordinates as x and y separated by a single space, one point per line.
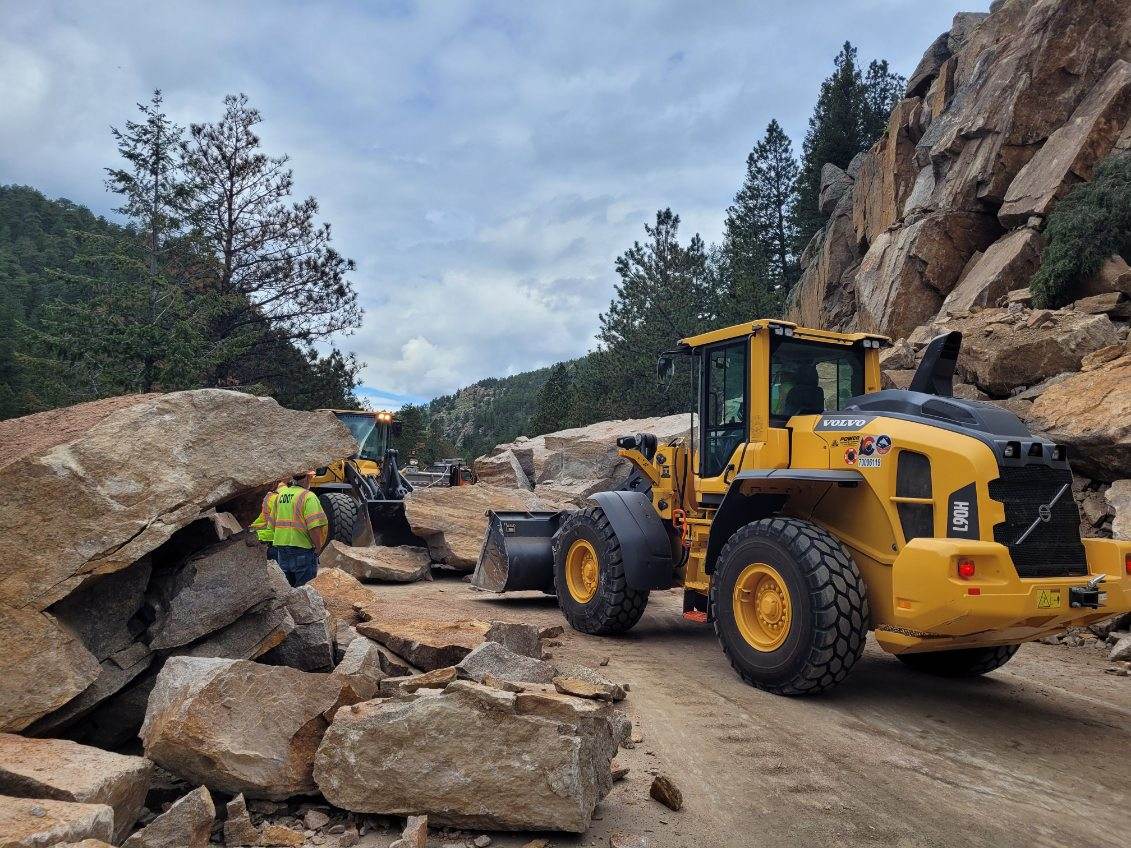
517 553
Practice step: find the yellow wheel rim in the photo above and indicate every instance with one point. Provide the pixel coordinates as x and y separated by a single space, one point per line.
582 571
762 608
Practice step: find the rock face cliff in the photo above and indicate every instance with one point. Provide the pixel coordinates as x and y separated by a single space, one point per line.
939 225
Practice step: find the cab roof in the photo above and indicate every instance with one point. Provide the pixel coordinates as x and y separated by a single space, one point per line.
738 331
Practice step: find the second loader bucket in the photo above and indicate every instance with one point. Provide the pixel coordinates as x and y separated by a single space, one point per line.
517 552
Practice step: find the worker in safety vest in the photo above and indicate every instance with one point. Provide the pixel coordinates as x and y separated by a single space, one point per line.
262 524
299 529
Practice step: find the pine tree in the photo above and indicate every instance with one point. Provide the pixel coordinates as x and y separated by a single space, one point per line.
758 265
556 403
269 265
851 113
662 296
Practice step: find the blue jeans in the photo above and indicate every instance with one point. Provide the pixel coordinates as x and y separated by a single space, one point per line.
298 564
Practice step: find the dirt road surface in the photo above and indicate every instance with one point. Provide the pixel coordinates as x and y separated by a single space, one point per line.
1036 754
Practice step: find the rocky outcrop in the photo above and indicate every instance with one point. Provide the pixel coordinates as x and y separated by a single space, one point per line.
186 824
548 768
135 508
451 522
400 564
238 726
37 823
1091 413
1004 114
66 771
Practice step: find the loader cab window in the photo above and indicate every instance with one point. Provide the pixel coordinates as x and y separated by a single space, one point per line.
724 402
808 378
371 435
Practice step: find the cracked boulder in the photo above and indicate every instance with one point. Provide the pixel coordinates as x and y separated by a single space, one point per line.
239 726
512 761
132 472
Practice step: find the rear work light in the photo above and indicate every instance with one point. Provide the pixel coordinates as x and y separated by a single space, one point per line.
966 568
1127 564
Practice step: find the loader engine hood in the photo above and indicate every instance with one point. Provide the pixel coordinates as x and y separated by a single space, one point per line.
982 420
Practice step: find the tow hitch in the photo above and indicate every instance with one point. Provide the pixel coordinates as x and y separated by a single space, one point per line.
1089 595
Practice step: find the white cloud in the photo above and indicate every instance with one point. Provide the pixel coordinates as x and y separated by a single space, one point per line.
483 162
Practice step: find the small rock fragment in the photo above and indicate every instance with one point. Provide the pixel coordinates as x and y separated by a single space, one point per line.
415 834
436 679
279 836
1122 649
238 829
619 770
498 683
186 823
589 689
666 792
315 819
482 841
621 840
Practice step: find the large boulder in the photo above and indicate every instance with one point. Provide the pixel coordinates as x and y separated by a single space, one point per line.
522 761
132 472
399 564
66 771
186 824
451 522
1071 153
38 823
1118 498
1008 264
343 595
309 646
238 726
1004 349
1091 413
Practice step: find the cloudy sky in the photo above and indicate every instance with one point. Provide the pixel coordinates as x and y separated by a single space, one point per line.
483 162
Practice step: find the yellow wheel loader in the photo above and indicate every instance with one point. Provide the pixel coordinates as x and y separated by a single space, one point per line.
811 507
363 493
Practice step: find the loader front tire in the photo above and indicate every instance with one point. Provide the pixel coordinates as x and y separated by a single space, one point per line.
964 662
589 577
341 512
789 606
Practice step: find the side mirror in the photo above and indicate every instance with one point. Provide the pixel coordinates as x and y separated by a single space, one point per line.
665 369
395 428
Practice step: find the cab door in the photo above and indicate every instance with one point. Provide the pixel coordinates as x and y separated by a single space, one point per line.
724 413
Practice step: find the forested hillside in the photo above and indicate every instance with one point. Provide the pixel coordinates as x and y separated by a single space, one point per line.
192 291
670 285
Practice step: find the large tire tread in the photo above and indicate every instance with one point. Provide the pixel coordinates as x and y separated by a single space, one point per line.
840 616
341 511
963 662
616 608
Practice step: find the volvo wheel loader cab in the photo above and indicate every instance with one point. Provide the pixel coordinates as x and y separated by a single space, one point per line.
364 492
810 507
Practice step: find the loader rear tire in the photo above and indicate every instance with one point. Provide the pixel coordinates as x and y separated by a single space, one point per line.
964 662
341 511
589 577
789 606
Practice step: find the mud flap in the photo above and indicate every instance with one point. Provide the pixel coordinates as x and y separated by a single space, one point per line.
517 553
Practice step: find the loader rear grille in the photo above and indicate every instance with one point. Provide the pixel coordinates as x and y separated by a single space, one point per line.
1053 548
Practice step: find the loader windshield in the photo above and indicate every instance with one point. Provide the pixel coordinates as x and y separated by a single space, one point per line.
808 378
371 435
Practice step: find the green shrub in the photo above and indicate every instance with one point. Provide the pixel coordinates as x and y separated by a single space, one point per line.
1087 226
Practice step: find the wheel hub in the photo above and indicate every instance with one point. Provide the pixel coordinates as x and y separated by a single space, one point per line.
582 571
762 607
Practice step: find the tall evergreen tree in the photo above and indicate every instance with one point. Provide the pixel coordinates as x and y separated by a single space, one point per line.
662 295
851 113
556 402
269 265
758 263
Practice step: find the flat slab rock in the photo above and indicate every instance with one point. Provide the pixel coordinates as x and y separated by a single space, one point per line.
67 771
512 761
39 822
400 564
342 594
239 726
427 643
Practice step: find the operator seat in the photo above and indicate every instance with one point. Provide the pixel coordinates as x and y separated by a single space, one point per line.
806 397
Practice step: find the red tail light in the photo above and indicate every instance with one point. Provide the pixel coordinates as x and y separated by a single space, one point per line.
966 568
1127 564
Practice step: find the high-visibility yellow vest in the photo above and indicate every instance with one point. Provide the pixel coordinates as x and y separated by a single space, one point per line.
295 513
262 524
